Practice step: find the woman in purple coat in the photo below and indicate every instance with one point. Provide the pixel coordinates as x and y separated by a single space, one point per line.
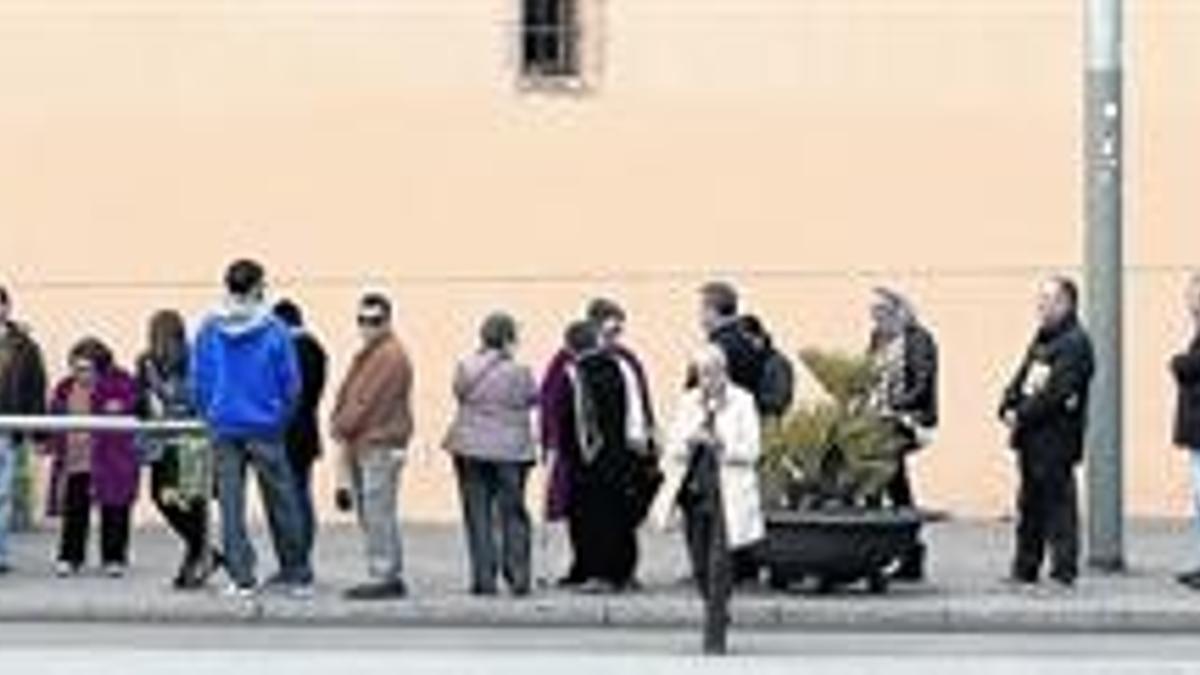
92 468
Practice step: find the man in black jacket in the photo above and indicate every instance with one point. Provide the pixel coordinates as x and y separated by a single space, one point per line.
723 326
1045 407
1186 369
22 392
304 432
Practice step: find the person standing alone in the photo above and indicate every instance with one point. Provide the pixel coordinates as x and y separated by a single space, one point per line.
1045 408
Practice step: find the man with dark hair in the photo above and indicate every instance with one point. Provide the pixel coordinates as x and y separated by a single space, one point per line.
723 326
22 392
304 432
377 302
747 361
246 385
246 279
1045 407
373 423
777 387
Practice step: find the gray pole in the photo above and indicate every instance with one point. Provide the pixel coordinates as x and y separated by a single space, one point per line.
1103 156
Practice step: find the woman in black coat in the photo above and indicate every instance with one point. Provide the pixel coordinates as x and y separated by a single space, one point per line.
601 513
304 432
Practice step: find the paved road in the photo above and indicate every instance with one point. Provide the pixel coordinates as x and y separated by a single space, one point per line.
101 649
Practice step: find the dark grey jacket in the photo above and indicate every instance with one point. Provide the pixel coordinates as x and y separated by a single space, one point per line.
23 377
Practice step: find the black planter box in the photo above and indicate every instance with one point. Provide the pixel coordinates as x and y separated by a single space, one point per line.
839 547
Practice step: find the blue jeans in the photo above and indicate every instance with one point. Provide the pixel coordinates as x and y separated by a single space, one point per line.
8 461
280 502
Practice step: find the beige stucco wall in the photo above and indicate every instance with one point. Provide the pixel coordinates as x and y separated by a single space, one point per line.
350 142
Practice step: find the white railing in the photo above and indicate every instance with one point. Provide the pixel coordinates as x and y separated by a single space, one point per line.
97 423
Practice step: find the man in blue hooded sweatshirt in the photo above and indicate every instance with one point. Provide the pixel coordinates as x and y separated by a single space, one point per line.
246 385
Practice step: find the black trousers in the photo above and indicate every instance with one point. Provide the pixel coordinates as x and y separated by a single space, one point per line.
302 470
1047 517
493 502
188 520
605 545
899 488
77 509
899 494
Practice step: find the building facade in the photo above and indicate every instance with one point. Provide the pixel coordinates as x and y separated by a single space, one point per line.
526 154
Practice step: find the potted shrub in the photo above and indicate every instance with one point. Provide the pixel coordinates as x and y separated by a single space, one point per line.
825 467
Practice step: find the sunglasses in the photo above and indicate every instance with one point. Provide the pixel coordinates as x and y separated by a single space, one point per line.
372 320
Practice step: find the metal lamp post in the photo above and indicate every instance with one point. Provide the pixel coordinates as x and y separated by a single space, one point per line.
1104 262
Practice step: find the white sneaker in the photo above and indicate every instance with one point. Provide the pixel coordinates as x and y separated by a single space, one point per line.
114 570
64 569
239 592
300 591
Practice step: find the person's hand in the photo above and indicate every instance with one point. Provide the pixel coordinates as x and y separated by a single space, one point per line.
344 500
1009 417
172 497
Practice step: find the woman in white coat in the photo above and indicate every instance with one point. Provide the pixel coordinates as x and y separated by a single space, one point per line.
717 413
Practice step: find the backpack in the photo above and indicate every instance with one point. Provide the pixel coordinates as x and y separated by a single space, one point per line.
777 386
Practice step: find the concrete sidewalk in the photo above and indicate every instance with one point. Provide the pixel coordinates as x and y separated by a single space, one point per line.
965 592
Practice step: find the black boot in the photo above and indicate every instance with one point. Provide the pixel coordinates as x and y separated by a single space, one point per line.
912 565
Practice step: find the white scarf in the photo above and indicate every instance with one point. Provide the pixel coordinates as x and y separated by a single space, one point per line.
637 427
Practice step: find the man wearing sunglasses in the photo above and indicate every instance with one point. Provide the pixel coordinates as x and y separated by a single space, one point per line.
372 421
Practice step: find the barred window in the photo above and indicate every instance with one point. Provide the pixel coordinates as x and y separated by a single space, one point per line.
550 39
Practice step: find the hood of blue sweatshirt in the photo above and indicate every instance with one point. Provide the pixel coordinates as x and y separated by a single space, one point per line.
245 375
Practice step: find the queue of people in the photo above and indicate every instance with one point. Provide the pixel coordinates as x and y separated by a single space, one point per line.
255 377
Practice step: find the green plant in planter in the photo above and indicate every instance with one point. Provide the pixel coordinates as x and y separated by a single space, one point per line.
834 453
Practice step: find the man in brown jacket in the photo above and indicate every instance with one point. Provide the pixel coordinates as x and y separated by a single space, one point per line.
372 421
